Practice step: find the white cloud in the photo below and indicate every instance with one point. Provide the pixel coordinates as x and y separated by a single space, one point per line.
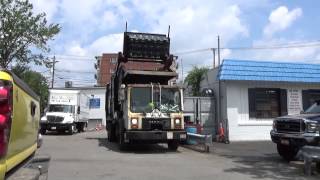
50 7
280 19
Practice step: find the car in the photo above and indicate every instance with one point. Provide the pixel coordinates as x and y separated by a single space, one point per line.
292 132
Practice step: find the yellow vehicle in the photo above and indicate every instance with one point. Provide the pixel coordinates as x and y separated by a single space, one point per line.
19 122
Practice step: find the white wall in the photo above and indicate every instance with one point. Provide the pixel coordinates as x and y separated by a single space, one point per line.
240 126
100 112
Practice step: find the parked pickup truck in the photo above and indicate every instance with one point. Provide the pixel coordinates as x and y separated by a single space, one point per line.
291 133
19 126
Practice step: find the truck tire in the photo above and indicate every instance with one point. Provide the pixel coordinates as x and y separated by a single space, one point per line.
71 129
288 153
43 131
122 144
111 133
318 167
173 145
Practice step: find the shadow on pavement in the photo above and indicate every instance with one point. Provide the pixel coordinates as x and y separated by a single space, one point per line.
132 148
56 133
260 160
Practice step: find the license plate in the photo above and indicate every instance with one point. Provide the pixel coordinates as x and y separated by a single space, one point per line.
285 141
183 136
169 135
53 128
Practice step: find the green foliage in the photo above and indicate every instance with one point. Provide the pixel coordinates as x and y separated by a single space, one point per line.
194 78
23 34
36 81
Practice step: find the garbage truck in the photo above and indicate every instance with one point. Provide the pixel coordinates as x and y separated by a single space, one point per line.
143 102
68 110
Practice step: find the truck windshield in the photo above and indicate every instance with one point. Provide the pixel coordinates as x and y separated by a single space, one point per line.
314 108
61 108
170 100
141 99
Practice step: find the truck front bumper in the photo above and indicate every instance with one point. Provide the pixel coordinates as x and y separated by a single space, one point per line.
155 136
295 139
55 126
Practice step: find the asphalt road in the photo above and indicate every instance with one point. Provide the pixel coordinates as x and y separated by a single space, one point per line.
88 156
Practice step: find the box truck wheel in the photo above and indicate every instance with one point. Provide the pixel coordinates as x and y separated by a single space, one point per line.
173 145
72 129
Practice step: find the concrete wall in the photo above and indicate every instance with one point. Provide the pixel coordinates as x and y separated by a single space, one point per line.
241 127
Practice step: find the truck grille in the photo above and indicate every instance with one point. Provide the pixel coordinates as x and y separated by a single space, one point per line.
55 119
290 125
156 124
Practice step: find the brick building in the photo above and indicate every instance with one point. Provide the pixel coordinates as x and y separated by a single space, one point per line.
106 65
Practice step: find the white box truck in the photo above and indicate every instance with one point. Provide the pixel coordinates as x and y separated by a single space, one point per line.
68 110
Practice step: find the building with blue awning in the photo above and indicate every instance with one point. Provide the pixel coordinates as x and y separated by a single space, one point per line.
250 94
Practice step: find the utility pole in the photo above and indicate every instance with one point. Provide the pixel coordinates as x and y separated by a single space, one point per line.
53 68
182 71
218 50
214 57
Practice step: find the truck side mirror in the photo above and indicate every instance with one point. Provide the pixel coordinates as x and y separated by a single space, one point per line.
122 95
78 110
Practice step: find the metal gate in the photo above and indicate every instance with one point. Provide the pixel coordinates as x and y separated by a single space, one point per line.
201 110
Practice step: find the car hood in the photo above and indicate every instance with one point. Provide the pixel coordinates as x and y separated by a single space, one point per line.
313 117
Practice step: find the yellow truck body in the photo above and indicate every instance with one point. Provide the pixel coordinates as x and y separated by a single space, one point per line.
19 130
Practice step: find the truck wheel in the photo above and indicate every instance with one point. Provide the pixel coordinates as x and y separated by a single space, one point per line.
318 166
173 145
111 133
122 144
71 129
287 152
43 131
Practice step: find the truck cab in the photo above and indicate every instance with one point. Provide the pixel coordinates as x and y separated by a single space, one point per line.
67 111
292 132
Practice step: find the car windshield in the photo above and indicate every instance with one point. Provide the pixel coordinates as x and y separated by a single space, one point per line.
61 108
141 99
314 108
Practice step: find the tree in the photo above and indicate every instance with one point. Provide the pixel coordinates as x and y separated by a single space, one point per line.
36 81
194 78
23 34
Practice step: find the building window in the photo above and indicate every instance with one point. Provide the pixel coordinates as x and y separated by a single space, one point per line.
309 97
267 103
111 71
113 60
94 103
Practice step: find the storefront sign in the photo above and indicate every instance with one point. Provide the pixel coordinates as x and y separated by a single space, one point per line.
294 101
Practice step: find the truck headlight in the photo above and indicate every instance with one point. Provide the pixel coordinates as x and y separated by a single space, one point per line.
177 123
312 127
134 123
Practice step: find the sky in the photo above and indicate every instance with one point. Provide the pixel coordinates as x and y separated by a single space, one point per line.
93 27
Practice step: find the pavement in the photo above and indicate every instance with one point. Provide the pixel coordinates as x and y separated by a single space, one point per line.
88 155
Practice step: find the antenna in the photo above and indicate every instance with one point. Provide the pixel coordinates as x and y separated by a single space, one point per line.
126 26
169 31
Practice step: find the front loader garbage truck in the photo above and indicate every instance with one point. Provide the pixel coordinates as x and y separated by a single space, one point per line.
143 104
68 110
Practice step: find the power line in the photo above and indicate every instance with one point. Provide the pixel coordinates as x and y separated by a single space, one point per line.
72 71
305 44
